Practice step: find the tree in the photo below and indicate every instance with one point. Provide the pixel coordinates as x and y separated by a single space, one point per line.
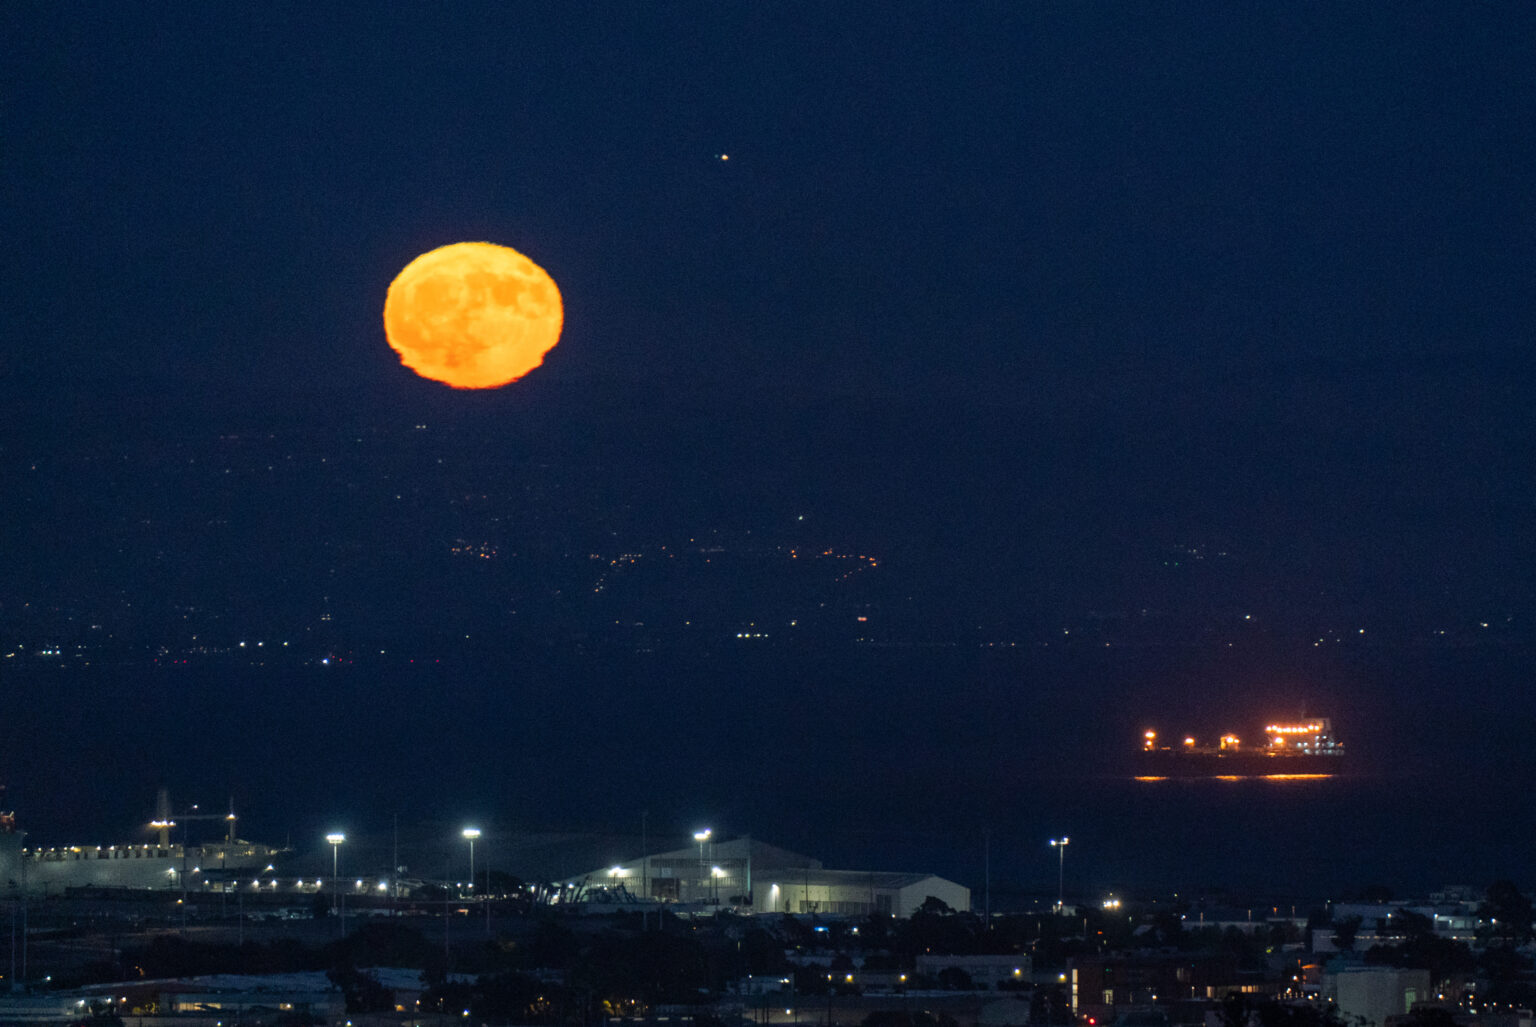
654 967
1168 928
553 946
1410 924
898 1018
1508 913
762 953
1506 970
1344 932
1050 1005
513 998
386 943
934 928
1238 1010
952 978
363 992
810 980
1442 957
1431 1016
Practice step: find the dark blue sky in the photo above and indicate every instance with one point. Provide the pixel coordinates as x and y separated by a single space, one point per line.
1024 298
934 195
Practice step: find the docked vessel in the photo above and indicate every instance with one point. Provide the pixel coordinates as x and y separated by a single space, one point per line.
1289 749
161 864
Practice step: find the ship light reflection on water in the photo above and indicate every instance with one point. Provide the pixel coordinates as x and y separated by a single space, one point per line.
1240 777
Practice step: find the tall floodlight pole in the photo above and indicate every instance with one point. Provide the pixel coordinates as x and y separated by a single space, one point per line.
1060 845
701 837
336 838
19 901
986 858
470 834
23 978
485 898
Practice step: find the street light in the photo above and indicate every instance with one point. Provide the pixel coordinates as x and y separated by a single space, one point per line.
1060 845
471 833
701 837
336 838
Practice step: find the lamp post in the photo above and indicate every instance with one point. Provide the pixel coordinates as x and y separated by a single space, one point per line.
336 838
701 837
470 834
1060 845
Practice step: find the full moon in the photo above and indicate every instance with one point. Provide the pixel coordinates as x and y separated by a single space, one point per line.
473 315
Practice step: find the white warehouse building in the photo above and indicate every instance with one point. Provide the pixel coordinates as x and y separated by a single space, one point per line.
752 877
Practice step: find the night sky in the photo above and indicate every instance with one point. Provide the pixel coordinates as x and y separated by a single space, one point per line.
1135 320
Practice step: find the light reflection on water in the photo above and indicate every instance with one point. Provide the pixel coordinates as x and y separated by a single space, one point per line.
1238 777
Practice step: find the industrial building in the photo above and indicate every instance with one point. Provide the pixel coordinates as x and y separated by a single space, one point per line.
753 877
1372 994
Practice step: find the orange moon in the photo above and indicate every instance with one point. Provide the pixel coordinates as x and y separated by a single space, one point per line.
473 315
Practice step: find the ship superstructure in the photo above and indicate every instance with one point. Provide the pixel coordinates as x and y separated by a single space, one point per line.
158 864
1288 748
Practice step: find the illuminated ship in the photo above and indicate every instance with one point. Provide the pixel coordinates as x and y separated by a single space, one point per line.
161 864
1290 749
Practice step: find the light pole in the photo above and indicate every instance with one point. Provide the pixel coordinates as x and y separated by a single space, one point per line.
701 837
645 865
470 834
1060 845
336 838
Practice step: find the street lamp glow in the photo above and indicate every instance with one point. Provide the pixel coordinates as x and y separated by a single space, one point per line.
701 837
1060 845
336 838
470 834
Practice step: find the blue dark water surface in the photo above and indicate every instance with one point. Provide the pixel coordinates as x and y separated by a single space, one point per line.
881 759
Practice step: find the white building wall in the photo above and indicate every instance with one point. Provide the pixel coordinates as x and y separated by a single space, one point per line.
792 893
852 894
779 881
1377 992
957 897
